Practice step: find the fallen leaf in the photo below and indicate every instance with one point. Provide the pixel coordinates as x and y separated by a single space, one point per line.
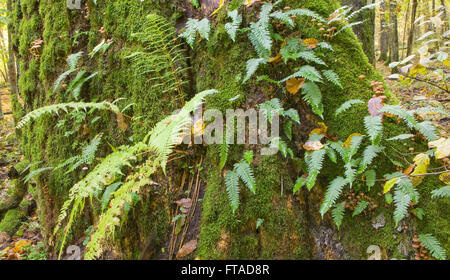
185 202
313 146
121 122
409 169
275 59
445 177
442 147
19 246
389 184
293 85
187 249
311 43
422 161
349 139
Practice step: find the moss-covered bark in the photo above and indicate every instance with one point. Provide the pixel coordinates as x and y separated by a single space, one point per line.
292 227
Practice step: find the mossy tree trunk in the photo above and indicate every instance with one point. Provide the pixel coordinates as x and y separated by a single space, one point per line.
292 226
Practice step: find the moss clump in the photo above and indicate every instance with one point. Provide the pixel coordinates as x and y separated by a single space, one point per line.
11 221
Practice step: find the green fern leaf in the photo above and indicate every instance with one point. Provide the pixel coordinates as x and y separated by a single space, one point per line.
401 137
441 193
432 244
360 207
192 27
232 184
308 72
347 105
313 96
233 27
314 163
333 192
252 66
374 127
338 214
245 172
401 201
331 76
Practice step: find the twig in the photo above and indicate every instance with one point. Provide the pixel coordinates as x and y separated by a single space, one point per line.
406 176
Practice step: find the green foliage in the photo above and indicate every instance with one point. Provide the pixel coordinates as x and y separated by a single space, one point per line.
72 61
314 162
313 96
332 194
401 201
347 105
56 108
374 128
360 207
233 27
194 27
338 214
331 76
87 155
432 244
242 170
252 66
232 184
441 193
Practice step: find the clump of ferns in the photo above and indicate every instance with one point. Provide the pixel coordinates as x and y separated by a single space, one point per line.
156 146
161 58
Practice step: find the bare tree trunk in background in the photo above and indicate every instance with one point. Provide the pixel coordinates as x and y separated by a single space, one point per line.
393 33
384 34
366 30
405 29
445 26
412 28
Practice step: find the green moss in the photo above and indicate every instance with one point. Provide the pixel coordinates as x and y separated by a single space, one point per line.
11 221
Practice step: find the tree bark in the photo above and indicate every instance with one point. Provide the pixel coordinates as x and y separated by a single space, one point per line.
384 34
393 32
412 28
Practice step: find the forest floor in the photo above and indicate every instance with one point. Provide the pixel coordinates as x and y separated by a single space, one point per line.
26 243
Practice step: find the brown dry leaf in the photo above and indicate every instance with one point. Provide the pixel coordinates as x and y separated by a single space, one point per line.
19 246
187 249
275 59
121 122
409 169
375 104
311 43
293 85
442 147
185 202
349 139
313 146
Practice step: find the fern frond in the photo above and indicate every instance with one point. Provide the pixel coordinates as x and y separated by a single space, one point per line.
399 111
432 244
338 214
314 162
401 137
233 27
325 45
193 26
54 109
360 207
305 12
309 56
441 193
369 154
428 130
223 154
347 105
61 78
313 96
245 172
252 66
401 201
232 184
283 17
271 106
36 172
307 72
374 128
331 76
332 194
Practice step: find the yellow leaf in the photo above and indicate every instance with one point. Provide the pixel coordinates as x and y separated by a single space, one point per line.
293 85
275 59
422 161
442 147
249 2
311 43
322 130
349 139
19 246
198 128
220 7
446 62
445 177
389 184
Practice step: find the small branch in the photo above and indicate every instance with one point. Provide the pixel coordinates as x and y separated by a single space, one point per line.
406 176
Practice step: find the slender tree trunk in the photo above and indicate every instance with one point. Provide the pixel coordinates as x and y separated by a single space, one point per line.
405 30
412 28
393 30
384 34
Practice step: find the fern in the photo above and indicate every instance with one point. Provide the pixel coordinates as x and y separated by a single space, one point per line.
233 26
86 157
232 184
162 60
309 56
338 214
305 12
401 137
347 105
245 172
401 201
252 66
428 130
374 127
56 108
332 194
72 61
313 96
307 72
441 193
360 207
223 154
369 154
314 162
432 244
194 26
35 173
331 76
399 111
